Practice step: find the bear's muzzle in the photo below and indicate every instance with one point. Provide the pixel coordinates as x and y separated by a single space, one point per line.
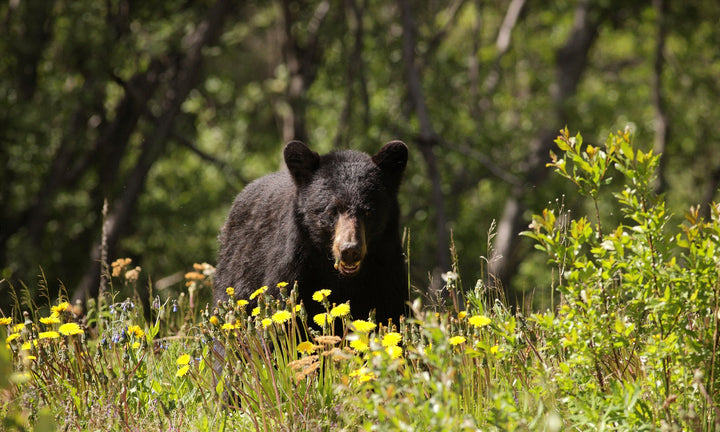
349 247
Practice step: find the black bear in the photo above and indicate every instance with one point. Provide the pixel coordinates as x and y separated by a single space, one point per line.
327 222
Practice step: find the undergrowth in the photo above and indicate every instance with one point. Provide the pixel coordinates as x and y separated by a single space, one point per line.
632 344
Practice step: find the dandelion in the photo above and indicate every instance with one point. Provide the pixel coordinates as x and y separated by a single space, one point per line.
479 321
255 311
258 291
394 351
62 307
50 320
183 360
135 330
363 374
494 349
242 302
228 327
70 329
136 345
462 315
230 291
214 320
298 308
49 335
362 326
12 337
281 316
340 310
391 339
359 346
18 327
182 371
321 295
5 321
457 340
306 347
321 319
282 284
266 322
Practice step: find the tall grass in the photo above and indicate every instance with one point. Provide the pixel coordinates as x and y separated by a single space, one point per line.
632 345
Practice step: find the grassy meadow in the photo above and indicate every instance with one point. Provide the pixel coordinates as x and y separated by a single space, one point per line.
632 344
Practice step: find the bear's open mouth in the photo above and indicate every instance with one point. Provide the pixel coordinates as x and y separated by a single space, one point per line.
347 269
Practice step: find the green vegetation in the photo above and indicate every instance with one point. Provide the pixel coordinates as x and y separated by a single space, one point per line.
633 344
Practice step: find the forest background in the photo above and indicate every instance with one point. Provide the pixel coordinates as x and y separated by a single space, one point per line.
165 110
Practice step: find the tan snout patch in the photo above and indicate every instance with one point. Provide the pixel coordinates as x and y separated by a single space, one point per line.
349 247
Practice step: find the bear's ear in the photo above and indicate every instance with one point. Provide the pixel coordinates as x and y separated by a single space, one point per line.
301 162
391 159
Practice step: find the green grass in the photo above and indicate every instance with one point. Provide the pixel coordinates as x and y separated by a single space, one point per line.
632 344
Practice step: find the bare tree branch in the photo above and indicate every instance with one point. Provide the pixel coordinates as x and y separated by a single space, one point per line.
503 44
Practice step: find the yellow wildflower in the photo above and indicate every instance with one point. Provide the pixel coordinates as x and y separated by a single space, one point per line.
266 322
242 302
320 295
50 320
363 374
18 327
306 347
362 326
230 291
5 321
183 360
135 330
282 284
494 349
228 327
62 307
321 319
258 291
457 340
136 345
391 339
49 335
182 371
214 320
340 310
479 321
462 315
394 351
12 337
359 345
70 329
281 316
298 308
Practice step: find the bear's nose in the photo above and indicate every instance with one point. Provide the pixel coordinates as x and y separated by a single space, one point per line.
350 252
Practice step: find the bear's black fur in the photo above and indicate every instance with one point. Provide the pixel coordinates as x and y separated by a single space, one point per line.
327 222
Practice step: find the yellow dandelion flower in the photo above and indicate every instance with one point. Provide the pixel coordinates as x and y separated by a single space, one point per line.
255 311
359 345
136 345
183 360
362 326
5 321
27 345
49 335
391 339
230 291
462 315
182 371
266 322
457 340
320 295
62 307
306 347
282 284
363 374
321 319
214 320
242 302
281 316
494 349
12 337
394 351
18 327
70 329
340 310
31 357
50 320
228 327
258 291
479 321
298 308
135 330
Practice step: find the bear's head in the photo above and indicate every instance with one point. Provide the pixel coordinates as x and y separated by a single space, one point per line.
345 201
